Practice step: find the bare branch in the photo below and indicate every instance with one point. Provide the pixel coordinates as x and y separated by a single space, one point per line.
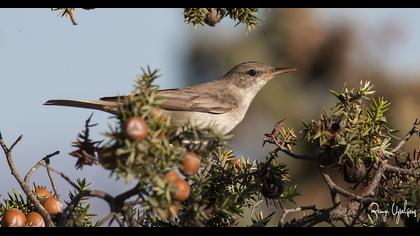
370 189
53 185
399 170
65 177
115 203
102 195
414 129
120 223
296 156
335 198
288 211
119 199
69 209
332 186
24 185
289 153
37 165
383 167
322 215
67 212
16 142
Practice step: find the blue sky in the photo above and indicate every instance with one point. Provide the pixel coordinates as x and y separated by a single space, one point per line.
43 56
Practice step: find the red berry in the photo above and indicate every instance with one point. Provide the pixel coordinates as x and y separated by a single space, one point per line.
42 193
182 190
34 219
136 128
53 206
13 218
191 163
172 176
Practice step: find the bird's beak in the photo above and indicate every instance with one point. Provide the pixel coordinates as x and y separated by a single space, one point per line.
282 70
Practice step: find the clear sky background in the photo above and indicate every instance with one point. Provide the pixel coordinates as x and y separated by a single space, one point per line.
43 56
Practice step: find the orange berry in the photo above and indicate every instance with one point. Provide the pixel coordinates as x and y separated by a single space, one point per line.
172 176
190 163
136 128
13 218
42 193
182 190
53 206
34 219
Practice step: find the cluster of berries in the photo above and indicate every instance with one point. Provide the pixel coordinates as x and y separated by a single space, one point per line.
14 217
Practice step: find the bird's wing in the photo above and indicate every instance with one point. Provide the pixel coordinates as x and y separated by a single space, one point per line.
189 99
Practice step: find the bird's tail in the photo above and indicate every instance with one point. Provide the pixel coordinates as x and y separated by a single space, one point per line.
107 106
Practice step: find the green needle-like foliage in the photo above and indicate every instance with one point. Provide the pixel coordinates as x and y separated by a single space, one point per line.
355 129
211 16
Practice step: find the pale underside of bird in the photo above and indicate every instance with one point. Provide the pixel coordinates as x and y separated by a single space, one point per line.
220 104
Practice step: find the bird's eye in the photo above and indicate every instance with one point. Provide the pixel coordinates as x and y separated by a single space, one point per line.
252 72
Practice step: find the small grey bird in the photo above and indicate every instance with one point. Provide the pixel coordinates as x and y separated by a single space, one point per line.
220 104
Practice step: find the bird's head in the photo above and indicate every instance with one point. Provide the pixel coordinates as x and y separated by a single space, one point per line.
254 74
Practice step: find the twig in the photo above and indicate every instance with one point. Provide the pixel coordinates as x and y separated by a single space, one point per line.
288 211
85 193
335 198
322 215
296 156
332 186
102 195
15 142
289 153
65 177
72 16
370 189
69 12
327 215
115 203
119 199
53 185
414 129
135 202
118 220
93 193
37 165
385 167
105 219
24 185
66 214
399 170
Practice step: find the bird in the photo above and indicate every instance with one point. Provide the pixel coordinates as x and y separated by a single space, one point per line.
220 104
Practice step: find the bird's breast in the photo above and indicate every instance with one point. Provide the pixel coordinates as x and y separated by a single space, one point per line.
223 123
